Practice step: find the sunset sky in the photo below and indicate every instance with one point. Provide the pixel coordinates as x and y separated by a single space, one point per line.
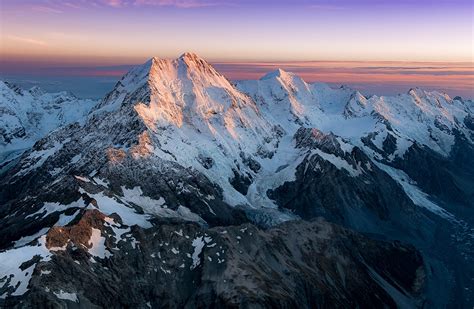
363 43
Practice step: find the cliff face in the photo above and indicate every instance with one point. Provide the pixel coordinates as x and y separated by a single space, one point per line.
297 264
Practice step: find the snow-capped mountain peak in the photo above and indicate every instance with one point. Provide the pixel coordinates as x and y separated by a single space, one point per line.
186 104
187 90
28 115
173 82
290 81
198 65
278 73
36 91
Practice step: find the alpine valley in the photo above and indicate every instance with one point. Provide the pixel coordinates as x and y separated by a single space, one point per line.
181 188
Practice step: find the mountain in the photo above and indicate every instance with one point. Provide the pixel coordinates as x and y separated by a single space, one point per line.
29 115
267 193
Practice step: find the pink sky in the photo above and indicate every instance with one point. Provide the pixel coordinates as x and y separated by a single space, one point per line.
365 43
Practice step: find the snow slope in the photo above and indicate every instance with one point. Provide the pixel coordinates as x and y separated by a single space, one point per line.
239 136
28 115
195 114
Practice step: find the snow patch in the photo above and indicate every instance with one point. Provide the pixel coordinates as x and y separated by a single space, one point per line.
198 244
66 296
10 260
97 243
76 159
81 178
27 239
338 162
414 193
49 208
109 205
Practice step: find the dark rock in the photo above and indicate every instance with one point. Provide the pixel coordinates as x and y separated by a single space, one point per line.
389 144
296 264
240 182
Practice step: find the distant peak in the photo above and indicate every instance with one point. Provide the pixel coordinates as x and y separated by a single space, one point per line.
190 58
346 88
36 91
415 90
186 57
274 74
358 96
16 88
189 55
458 98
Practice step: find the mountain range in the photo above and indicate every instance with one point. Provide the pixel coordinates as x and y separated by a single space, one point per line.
29 115
181 188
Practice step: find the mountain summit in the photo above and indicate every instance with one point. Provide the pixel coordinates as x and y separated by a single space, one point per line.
186 89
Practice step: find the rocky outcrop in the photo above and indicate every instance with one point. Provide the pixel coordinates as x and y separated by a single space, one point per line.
78 234
296 264
345 187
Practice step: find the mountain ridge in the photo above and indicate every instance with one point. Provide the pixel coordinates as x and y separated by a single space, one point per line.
29 115
175 141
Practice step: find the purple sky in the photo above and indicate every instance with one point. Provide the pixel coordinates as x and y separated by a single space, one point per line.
133 30
48 36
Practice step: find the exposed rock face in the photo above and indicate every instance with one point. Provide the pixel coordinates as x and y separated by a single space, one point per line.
345 187
79 234
176 154
297 264
451 180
